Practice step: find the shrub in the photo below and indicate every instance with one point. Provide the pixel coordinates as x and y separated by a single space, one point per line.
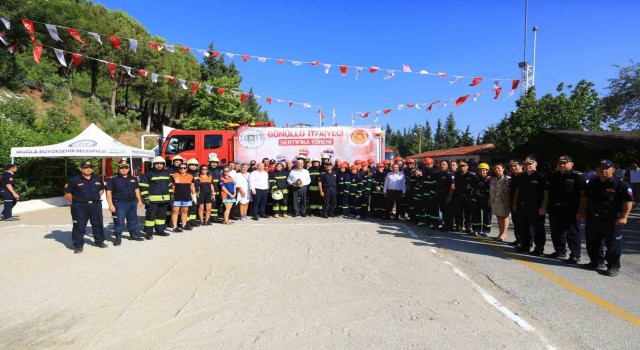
19 110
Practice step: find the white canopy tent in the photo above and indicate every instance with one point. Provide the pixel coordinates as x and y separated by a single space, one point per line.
91 143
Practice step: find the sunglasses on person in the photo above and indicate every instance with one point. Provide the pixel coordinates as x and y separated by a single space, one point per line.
183 168
204 168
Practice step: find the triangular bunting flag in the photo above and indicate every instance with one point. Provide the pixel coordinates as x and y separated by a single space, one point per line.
128 70
234 93
244 97
496 83
221 91
375 120
185 49
476 81
245 58
3 39
358 71
296 63
315 63
142 72
76 35
133 45
96 36
327 66
28 25
477 94
204 53
269 100
366 115
461 100
387 111
171 79
390 75
230 55
262 59
321 114
209 88
170 48
306 105
497 91
53 31
373 69
290 103
154 46
183 83
424 72
6 23
76 59
442 74
409 105
280 61
60 56
154 77
431 105
514 87
37 51
194 87
457 79
343 70
115 41
112 69
215 53
406 69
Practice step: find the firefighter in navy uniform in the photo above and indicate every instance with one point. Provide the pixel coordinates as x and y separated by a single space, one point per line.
344 181
413 194
428 187
328 185
444 194
192 170
515 169
355 192
461 204
367 180
479 198
606 205
563 191
378 202
278 182
8 192
315 201
157 194
84 192
528 201
123 196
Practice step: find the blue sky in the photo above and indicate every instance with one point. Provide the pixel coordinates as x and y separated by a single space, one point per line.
576 40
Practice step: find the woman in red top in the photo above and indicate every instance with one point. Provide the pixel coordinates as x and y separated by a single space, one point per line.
227 193
184 192
207 195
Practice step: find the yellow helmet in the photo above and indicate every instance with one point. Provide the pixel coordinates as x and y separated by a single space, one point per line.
158 159
192 161
483 166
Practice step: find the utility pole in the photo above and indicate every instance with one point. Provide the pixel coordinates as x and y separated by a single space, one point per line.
528 71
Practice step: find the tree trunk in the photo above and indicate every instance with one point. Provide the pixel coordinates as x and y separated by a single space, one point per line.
145 111
94 77
114 94
126 97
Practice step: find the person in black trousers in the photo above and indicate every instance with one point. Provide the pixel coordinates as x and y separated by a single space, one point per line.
529 196
328 185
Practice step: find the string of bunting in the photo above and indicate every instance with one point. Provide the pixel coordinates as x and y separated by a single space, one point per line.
496 90
76 60
117 43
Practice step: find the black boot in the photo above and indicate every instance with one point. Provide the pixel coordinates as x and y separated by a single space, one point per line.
135 236
149 236
118 240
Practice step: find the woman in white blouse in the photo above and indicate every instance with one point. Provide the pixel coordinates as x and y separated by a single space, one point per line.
499 199
242 186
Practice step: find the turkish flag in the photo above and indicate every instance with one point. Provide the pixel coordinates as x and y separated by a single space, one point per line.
269 100
314 63
405 68
76 59
115 41
112 69
476 81
154 46
373 69
366 115
461 100
280 60
221 91
185 49
245 57
387 111
194 87
498 91
37 51
343 70
171 79
244 97
290 103
215 53
28 25
514 84
142 72
410 105
76 35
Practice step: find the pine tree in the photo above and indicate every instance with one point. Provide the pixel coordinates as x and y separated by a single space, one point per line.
427 138
466 139
439 141
450 133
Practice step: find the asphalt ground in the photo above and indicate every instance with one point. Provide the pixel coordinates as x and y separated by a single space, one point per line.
306 283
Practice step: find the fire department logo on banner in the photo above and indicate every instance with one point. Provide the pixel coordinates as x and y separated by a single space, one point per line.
359 137
251 139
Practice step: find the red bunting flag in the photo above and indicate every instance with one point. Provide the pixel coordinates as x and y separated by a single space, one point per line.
442 74
244 97
194 87
215 53
405 68
76 35
269 100
280 60
461 100
321 114
476 81
142 72
387 111
290 103
28 25
343 70
115 41
373 69
315 63
245 58
498 91
366 115
431 105
76 59
185 49
410 105
154 46
112 69
171 79
37 51
514 84
221 91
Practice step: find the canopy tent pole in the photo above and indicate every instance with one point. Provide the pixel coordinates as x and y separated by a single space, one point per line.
66 166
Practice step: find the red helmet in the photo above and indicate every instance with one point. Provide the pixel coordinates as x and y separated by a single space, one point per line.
354 167
371 161
344 165
386 162
357 162
380 165
411 161
397 159
428 160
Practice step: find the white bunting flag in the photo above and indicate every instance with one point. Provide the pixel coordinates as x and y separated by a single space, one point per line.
296 63
511 93
53 31
234 93
170 48
424 72
133 45
326 68
6 23
204 52
96 36
477 94
209 88
306 105
230 55
279 100
183 83
3 39
358 71
390 74
406 69
418 106
400 106
60 56
256 97
262 59
496 83
457 79
375 120
128 69
154 77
